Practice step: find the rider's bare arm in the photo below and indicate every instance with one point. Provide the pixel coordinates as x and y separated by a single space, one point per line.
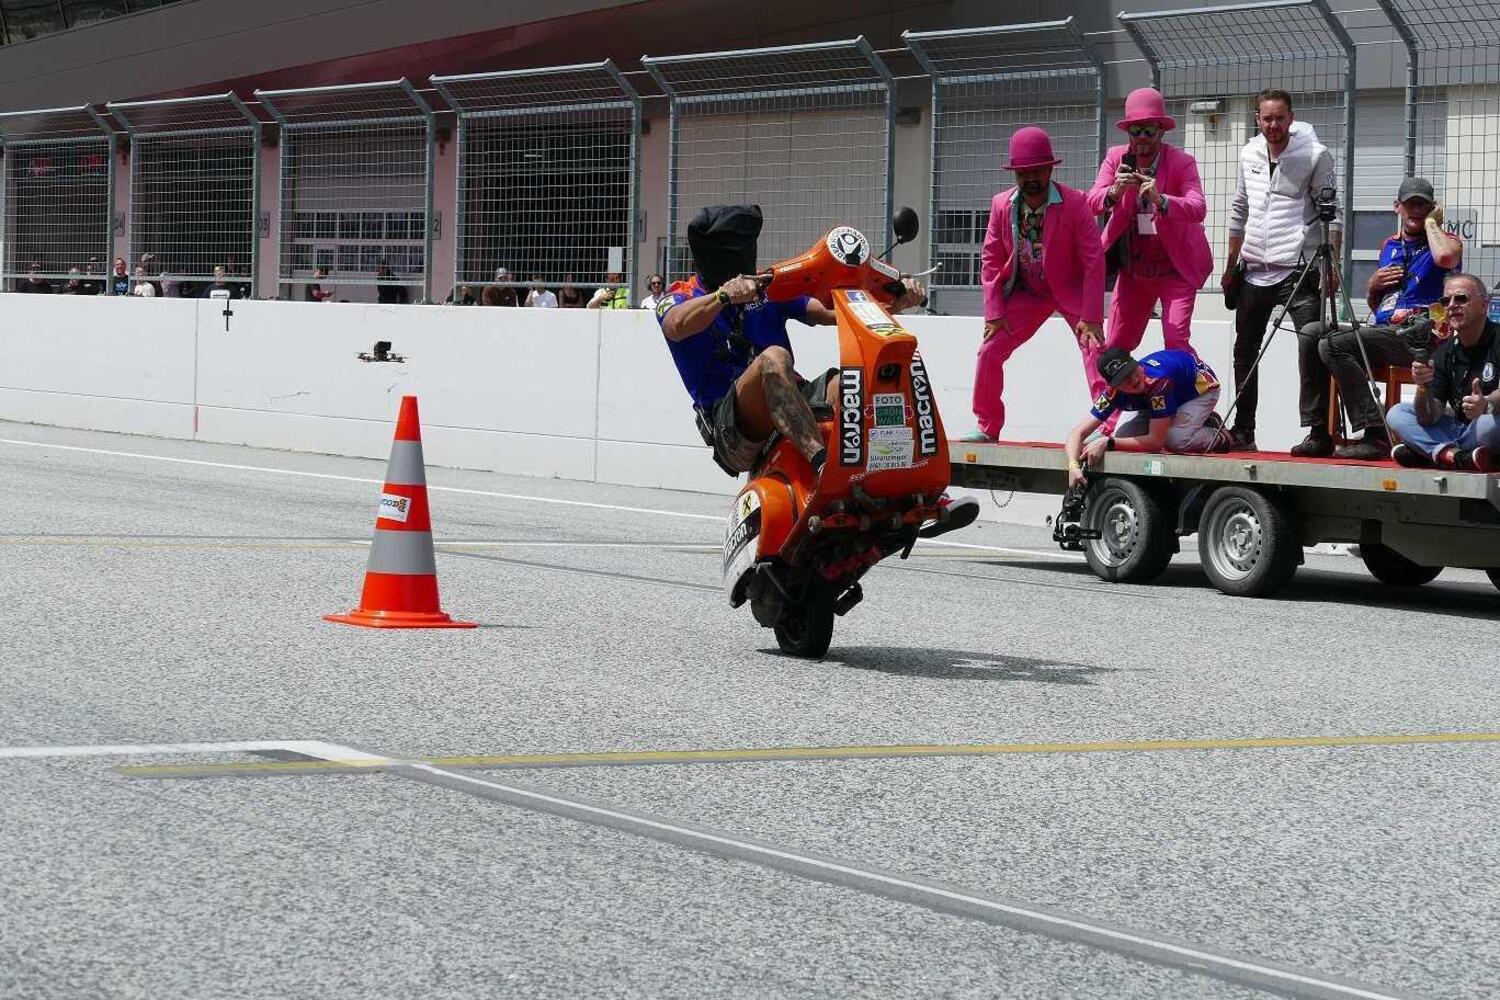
690 318
1073 446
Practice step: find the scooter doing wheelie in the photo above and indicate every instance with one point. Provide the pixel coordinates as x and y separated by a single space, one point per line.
798 544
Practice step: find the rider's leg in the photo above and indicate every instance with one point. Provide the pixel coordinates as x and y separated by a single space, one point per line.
768 398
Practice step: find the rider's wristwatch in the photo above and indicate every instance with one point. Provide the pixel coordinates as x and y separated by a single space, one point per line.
1109 442
723 297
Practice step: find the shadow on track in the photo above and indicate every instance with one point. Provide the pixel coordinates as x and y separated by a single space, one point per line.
963 665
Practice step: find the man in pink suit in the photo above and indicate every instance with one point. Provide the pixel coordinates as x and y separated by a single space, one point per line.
1041 256
1153 198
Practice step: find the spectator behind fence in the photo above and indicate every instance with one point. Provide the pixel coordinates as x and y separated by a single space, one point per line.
1413 265
1464 374
388 292
315 292
539 297
1153 233
143 287
461 295
74 285
1041 256
219 288
655 287
93 284
611 298
119 281
569 297
153 270
34 283
1271 235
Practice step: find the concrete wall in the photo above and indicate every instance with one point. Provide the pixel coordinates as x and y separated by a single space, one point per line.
575 394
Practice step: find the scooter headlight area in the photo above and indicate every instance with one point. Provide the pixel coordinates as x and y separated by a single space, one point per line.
797 544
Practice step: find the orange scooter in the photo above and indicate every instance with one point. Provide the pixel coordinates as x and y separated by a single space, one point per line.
797 544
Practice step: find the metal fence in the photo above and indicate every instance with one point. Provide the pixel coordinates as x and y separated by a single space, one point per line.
547 175
356 169
58 195
986 83
804 131
194 186
1452 114
1211 61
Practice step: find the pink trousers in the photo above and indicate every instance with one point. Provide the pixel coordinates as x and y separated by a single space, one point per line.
1024 313
1130 310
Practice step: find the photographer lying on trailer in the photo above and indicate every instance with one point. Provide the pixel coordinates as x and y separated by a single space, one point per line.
1171 393
1464 374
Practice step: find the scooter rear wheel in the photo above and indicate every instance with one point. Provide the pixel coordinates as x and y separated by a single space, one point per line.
806 628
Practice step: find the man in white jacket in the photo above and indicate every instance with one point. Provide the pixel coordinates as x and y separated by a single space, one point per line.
1271 233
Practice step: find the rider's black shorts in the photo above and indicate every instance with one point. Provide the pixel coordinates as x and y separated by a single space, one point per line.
736 453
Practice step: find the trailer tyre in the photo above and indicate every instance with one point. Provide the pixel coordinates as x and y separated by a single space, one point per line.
1395 570
1247 542
1137 538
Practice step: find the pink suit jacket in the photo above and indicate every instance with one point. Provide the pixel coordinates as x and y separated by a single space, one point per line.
1072 257
1181 229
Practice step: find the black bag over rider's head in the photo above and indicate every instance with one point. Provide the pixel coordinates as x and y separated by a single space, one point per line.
722 238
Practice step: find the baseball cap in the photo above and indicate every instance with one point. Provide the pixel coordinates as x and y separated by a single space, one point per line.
1116 365
1416 187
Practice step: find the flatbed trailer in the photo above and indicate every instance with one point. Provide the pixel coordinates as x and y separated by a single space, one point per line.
1254 512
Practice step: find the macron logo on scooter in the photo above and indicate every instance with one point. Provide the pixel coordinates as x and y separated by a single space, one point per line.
921 391
851 416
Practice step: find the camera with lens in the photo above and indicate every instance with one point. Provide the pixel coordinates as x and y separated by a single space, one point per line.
1420 334
1067 528
1327 202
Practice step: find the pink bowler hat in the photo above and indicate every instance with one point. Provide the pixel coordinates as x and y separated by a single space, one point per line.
1144 107
1030 147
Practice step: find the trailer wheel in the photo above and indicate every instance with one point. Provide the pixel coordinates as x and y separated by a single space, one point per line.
1395 570
1247 542
1136 538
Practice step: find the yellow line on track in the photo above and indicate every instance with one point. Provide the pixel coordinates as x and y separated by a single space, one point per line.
752 754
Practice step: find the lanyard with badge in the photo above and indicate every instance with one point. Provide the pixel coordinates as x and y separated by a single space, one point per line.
1145 216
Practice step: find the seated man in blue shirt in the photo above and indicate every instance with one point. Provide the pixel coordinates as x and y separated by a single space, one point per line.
732 351
1413 264
1171 393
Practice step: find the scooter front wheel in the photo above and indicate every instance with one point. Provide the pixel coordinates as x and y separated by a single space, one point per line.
806 628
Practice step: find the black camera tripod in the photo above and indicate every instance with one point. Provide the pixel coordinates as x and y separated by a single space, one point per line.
1329 299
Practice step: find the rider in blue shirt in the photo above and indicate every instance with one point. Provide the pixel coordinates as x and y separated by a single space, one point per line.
732 351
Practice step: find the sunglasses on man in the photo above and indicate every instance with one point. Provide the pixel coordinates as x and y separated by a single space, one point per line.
1460 299
1144 131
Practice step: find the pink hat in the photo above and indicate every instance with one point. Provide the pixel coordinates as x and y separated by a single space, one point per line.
1030 147
1143 107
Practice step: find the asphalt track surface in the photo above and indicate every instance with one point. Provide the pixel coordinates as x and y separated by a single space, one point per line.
1008 779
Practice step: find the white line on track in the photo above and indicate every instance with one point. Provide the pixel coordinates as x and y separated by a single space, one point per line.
481 493
921 892
310 748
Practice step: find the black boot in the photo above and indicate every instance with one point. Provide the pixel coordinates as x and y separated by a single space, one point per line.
1373 447
1317 444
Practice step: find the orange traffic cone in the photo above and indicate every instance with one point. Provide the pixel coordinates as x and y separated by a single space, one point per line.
401 577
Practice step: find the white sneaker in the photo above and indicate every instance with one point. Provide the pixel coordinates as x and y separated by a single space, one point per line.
977 435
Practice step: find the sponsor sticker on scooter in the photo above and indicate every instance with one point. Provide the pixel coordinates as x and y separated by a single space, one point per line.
890 448
744 527
873 317
394 508
851 417
890 409
921 395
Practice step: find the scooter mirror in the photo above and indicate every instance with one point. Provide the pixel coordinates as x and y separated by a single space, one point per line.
905 225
